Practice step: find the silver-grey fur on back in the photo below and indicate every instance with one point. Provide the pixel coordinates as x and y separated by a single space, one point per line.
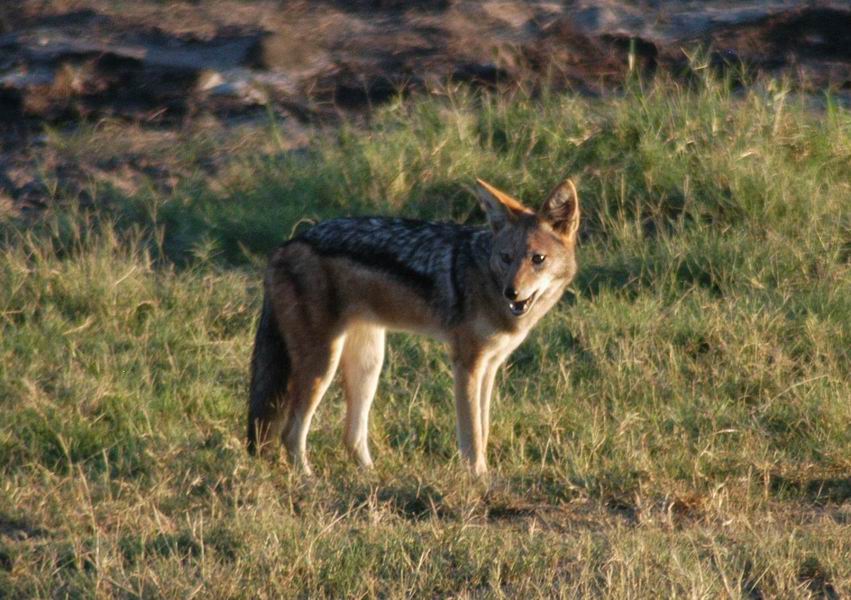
428 257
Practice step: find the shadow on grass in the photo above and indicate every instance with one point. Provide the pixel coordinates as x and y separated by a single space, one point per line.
179 545
444 200
621 277
19 527
816 490
817 579
629 276
412 503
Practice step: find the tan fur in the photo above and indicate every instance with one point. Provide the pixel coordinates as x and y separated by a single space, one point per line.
515 206
331 310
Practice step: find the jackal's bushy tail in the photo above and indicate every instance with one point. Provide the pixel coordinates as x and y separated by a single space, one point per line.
270 372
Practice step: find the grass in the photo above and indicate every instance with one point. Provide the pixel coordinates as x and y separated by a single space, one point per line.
679 425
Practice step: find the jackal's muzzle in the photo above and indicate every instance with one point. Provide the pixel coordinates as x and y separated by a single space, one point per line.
521 307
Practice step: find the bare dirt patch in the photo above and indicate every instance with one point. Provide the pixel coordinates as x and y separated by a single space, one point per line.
158 60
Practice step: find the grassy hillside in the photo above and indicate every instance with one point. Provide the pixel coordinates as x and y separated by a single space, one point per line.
679 425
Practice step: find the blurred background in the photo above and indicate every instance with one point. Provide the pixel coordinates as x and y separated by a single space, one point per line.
164 64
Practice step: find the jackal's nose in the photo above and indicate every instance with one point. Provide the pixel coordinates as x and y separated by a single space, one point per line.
510 293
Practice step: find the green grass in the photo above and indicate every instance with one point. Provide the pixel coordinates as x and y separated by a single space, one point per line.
679 425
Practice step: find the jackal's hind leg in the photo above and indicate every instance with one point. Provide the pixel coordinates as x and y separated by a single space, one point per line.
363 356
312 372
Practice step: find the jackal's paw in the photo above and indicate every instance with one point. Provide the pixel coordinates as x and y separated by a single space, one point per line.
479 469
300 466
360 452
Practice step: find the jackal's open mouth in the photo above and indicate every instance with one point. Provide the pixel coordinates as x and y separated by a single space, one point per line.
520 307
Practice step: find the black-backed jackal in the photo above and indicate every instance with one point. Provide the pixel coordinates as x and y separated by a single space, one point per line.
333 291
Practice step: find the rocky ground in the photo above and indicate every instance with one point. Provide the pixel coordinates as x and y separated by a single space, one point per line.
166 64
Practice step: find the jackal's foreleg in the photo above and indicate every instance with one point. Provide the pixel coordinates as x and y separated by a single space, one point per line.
469 375
485 395
363 356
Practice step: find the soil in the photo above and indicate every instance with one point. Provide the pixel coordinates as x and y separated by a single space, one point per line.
313 59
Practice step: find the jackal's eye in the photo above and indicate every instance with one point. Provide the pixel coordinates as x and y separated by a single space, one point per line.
506 258
538 258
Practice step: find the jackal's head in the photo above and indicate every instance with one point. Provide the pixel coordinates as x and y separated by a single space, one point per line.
533 252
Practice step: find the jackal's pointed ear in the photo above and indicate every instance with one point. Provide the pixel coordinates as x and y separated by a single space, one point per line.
561 209
499 207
